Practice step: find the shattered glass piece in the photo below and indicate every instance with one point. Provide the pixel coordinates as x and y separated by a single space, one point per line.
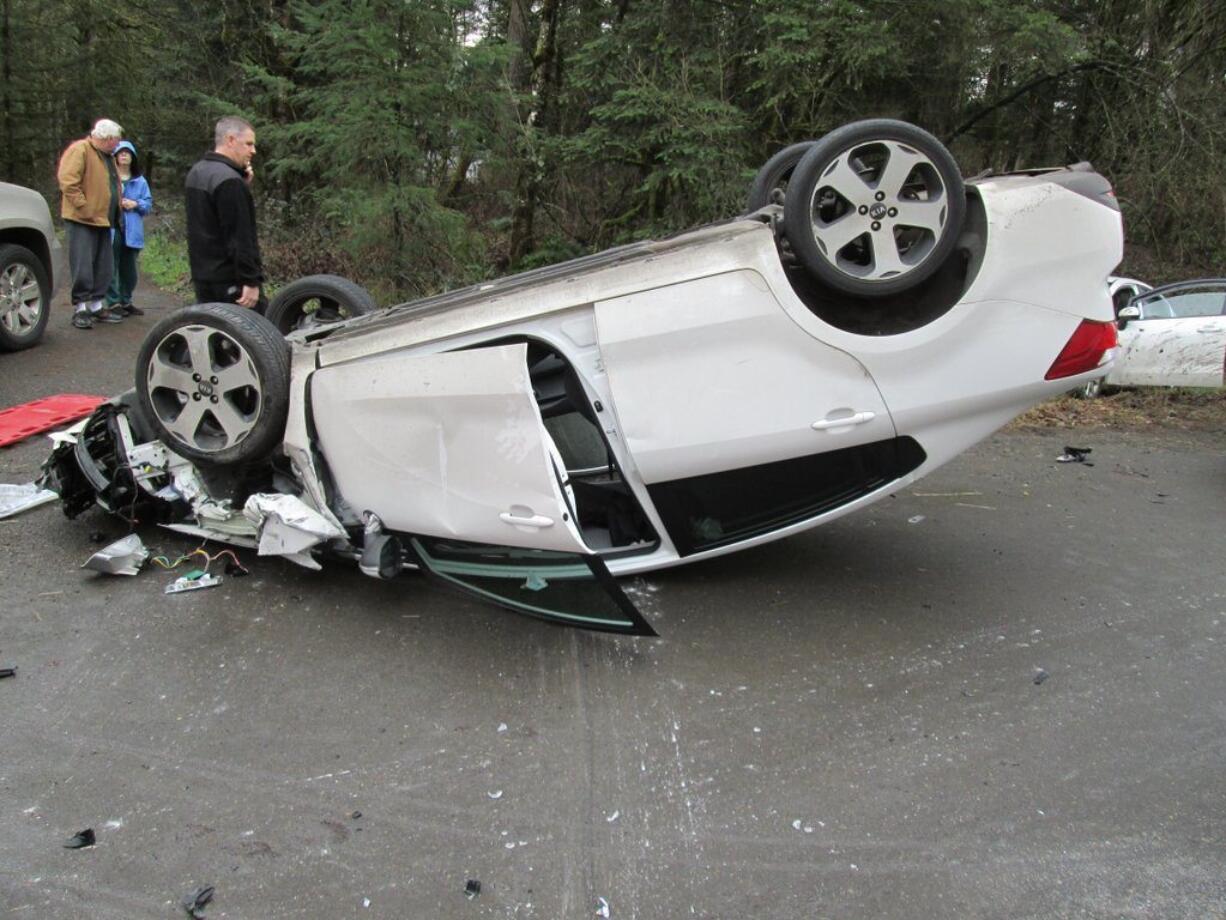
81 839
535 582
123 557
15 499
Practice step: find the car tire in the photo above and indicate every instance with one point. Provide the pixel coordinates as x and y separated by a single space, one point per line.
874 208
318 300
25 298
213 380
774 175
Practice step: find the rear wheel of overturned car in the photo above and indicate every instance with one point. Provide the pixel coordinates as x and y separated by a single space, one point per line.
25 298
875 207
214 381
775 175
318 300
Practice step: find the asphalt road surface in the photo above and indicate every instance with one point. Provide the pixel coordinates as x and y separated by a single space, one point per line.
848 723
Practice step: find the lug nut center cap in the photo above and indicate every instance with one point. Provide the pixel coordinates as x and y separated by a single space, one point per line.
206 389
877 211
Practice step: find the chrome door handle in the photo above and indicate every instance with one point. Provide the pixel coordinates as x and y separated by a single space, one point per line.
856 418
537 520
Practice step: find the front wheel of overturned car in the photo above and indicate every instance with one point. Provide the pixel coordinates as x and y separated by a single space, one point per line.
214 381
318 300
875 207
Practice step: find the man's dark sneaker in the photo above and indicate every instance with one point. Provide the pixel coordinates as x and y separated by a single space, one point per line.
108 316
82 320
131 309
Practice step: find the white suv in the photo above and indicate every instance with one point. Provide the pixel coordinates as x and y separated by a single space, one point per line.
28 254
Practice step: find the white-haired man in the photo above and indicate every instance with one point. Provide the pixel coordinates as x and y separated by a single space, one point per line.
89 204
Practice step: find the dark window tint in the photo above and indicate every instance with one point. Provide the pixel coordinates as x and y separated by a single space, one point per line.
705 512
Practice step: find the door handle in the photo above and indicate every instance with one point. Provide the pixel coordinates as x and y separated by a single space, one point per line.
539 521
846 421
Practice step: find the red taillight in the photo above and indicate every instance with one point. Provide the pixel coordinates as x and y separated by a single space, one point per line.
1085 349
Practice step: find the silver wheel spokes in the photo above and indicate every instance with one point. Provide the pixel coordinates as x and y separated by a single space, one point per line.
21 300
204 387
878 210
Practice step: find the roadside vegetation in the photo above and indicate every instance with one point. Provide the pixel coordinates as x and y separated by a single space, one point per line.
418 146
1140 408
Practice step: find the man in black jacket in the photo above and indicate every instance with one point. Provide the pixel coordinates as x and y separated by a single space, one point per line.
221 238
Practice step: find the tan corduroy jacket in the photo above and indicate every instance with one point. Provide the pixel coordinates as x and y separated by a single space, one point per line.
86 185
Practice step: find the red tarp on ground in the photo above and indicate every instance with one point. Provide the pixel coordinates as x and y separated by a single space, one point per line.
19 422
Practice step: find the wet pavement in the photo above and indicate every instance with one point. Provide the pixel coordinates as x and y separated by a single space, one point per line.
848 723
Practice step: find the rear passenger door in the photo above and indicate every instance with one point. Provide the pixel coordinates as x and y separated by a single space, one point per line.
740 423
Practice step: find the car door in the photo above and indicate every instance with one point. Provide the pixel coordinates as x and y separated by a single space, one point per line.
1180 339
450 452
738 421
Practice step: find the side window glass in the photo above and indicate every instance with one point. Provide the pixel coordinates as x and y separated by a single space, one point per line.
1156 307
1198 303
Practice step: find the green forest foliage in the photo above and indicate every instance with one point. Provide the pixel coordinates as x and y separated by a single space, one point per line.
419 144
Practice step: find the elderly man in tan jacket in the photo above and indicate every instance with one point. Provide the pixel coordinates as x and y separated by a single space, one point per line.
90 202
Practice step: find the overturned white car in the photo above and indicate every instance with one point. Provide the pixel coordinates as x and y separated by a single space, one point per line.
871 317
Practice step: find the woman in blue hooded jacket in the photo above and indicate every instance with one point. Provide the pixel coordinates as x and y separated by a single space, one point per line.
129 237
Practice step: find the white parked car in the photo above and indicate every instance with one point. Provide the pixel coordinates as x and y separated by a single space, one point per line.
656 404
1173 336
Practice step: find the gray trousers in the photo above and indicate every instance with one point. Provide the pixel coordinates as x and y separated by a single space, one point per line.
90 261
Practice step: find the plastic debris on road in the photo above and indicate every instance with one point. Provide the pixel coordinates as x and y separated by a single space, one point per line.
602 908
123 557
193 902
496 794
81 839
1075 455
15 499
472 888
1039 676
7 672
